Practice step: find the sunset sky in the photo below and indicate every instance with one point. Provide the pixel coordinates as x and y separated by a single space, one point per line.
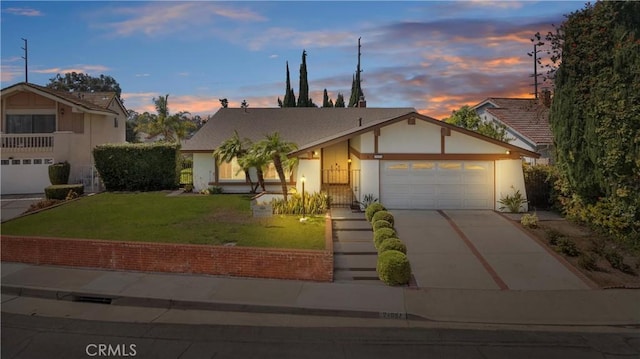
434 56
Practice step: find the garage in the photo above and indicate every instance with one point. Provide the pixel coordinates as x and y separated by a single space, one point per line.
25 175
437 184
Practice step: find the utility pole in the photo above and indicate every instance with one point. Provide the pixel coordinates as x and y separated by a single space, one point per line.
536 62
26 61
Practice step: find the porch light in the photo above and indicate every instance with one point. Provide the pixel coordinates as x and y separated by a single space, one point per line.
508 152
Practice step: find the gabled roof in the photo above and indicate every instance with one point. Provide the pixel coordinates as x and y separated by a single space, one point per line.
299 125
97 102
526 117
341 136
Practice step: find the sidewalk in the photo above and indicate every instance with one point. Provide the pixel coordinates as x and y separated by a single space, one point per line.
548 307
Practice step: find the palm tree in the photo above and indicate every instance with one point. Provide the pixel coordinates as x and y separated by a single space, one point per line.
256 159
172 127
276 149
234 147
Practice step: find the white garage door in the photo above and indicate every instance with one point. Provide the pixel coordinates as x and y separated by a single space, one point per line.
436 184
25 175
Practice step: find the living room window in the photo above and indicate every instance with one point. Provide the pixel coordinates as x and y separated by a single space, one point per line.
31 123
229 171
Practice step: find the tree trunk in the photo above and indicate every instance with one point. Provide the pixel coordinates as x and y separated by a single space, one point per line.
248 179
277 162
260 179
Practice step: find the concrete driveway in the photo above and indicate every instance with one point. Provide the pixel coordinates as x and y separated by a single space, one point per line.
479 250
13 205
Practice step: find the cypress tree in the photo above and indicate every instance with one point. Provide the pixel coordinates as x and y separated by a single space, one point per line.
289 96
326 101
303 94
356 86
339 100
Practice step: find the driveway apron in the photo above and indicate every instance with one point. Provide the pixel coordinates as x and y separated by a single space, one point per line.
478 250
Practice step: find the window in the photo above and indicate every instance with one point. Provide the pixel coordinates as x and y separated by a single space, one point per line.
15 162
423 166
450 166
115 122
399 166
48 161
270 173
5 162
230 171
31 123
26 162
37 161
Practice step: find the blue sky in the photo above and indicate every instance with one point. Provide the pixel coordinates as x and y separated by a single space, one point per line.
434 56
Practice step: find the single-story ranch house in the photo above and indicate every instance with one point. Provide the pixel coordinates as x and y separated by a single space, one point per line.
403 158
41 126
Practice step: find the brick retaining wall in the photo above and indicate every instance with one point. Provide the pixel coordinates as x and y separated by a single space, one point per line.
313 265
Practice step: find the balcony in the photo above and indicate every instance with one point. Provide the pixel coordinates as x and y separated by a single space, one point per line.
21 143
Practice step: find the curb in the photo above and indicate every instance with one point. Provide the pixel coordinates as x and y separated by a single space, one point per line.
109 299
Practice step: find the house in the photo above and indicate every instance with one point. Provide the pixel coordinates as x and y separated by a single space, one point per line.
403 158
527 122
41 126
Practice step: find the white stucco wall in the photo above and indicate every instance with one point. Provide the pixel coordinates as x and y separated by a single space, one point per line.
366 142
311 171
370 178
203 171
401 137
509 173
461 143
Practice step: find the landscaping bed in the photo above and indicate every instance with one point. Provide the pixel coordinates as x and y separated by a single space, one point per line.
185 219
601 259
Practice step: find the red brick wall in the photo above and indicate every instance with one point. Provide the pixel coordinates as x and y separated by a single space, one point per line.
314 265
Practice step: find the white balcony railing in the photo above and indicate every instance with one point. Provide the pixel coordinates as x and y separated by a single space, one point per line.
27 142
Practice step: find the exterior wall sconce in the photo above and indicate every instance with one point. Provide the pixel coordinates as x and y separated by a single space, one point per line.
61 111
508 152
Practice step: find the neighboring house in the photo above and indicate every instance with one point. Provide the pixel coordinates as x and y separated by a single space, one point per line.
527 122
41 126
405 159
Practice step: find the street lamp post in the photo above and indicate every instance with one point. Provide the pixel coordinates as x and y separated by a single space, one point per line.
303 208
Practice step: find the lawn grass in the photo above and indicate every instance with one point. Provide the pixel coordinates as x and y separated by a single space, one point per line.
154 217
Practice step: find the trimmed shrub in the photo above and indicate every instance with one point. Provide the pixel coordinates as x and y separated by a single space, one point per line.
372 209
392 244
383 215
529 220
568 247
59 173
138 166
314 203
382 234
393 268
381 224
63 191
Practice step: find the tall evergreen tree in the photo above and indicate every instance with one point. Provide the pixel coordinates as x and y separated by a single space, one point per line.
339 100
326 101
356 86
303 94
289 96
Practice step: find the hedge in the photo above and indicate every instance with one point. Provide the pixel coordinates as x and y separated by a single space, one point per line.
393 268
59 173
61 191
383 215
381 224
382 234
138 166
392 244
372 209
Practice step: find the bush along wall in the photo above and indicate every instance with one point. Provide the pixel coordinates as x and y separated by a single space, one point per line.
64 191
138 166
392 265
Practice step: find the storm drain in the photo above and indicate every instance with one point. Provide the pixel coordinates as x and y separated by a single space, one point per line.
92 299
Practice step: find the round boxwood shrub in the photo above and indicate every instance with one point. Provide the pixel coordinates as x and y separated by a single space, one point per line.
372 209
384 215
392 244
381 224
382 234
393 268
59 173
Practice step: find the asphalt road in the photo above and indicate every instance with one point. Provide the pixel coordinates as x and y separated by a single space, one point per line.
32 336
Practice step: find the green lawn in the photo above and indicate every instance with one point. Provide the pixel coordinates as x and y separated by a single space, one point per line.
154 217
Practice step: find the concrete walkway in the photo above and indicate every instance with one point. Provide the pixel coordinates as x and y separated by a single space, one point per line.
355 255
547 307
479 250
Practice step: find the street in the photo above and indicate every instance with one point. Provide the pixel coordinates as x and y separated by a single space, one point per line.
33 336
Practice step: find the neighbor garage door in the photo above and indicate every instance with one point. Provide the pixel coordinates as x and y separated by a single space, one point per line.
436 184
25 175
